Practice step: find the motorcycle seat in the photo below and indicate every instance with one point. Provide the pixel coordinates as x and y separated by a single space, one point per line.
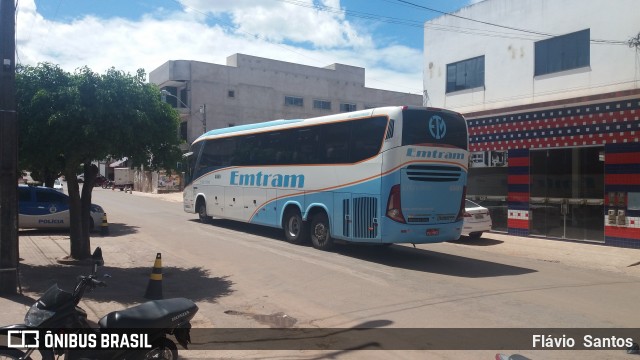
165 314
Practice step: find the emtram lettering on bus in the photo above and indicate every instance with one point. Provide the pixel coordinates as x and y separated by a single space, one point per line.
434 154
262 179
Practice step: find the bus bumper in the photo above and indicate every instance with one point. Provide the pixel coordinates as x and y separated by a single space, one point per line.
398 233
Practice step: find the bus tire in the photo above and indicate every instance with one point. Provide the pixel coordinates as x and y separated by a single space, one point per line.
202 212
295 229
320 234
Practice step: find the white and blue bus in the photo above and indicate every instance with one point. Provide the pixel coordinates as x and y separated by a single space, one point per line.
384 175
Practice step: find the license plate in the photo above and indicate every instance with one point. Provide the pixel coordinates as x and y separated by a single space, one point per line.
478 216
433 232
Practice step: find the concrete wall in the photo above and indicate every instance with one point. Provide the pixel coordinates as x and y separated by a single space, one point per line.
260 86
509 54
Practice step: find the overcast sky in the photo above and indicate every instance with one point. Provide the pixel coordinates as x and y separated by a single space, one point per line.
383 36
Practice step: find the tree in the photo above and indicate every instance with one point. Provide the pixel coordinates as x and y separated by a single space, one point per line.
68 120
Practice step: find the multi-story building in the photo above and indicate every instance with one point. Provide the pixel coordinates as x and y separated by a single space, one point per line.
251 89
551 92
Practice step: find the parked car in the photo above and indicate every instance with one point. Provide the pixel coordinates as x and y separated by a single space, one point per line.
45 208
57 186
476 220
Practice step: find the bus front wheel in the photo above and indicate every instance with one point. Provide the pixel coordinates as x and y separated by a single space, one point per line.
320 234
202 212
295 229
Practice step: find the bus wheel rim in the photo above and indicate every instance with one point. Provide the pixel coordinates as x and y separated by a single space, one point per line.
294 227
320 232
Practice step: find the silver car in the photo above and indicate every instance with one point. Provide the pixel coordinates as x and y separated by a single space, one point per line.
476 220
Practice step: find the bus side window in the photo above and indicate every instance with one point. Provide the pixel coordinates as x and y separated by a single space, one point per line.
335 142
307 146
366 138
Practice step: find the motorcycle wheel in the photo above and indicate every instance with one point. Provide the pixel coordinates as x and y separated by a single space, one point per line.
164 349
15 354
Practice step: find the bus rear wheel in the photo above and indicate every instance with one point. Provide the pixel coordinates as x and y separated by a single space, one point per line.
320 234
295 229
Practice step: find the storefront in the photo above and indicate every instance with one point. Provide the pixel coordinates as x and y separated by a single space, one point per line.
567 170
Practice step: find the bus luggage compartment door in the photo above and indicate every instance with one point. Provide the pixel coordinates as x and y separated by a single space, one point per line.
356 217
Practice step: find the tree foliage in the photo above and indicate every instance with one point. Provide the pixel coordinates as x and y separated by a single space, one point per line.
67 120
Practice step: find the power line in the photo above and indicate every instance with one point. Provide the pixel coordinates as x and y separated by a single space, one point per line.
419 24
612 42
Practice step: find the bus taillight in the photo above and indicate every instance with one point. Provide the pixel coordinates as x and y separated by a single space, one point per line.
394 209
462 212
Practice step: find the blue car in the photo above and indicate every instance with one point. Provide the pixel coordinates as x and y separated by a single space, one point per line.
45 208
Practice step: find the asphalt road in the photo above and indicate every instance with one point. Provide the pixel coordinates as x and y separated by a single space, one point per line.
247 276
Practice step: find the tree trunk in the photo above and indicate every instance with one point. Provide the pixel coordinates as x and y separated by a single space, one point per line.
78 239
48 178
90 174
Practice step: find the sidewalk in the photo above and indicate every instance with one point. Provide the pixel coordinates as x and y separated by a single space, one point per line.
578 254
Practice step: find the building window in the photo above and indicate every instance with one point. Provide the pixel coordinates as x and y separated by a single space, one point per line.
183 98
172 97
465 74
566 52
293 101
322 104
347 107
231 94
177 98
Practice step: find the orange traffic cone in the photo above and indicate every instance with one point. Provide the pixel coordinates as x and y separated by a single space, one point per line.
154 288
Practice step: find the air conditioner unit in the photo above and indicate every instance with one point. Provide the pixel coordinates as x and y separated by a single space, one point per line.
622 219
612 219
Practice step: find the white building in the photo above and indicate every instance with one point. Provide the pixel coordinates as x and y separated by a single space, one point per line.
251 89
552 99
505 59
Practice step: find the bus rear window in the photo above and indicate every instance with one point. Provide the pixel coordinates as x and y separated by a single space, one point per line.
424 126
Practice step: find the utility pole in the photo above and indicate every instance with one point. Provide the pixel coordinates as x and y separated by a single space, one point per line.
8 151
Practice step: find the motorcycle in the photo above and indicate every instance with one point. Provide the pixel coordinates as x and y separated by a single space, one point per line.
107 184
58 311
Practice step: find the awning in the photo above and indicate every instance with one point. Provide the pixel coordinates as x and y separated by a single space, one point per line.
119 162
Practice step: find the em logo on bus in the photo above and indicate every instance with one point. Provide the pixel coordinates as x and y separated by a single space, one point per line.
437 127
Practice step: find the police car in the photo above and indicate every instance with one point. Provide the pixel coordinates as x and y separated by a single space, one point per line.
45 208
